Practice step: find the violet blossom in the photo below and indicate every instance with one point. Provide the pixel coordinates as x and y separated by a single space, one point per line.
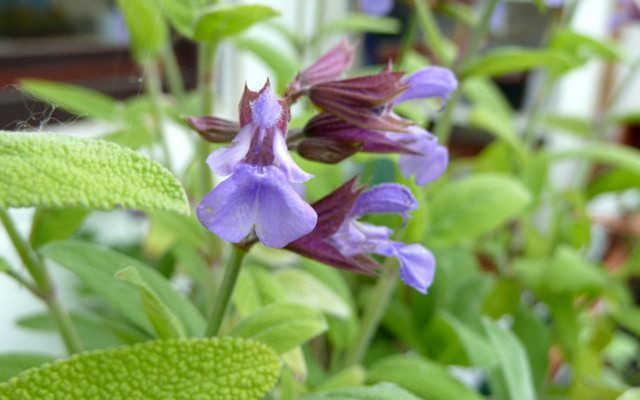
259 193
342 241
628 12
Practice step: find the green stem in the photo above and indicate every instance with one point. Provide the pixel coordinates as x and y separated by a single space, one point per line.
432 36
44 285
206 75
223 297
443 129
173 74
153 87
374 311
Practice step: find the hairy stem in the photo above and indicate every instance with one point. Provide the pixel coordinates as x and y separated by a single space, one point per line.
443 128
374 311
223 297
153 87
44 285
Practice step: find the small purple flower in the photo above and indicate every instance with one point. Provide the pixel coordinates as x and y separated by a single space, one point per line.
376 8
427 83
259 192
429 159
340 240
628 12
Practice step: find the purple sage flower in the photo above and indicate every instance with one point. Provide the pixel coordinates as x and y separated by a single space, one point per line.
341 240
376 8
427 83
628 12
259 193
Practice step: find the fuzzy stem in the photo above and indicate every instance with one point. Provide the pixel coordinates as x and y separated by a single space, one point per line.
153 87
225 291
374 311
45 288
443 129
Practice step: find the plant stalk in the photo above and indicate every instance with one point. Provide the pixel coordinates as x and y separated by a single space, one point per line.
44 285
374 311
153 87
443 128
173 74
206 75
223 297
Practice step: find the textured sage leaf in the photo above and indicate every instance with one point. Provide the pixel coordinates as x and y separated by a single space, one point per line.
96 267
283 65
616 155
229 368
513 362
50 170
222 21
96 332
282 326
148 31
381 391
166 324
470 207
55 224
302 287
509 60
11 364
421 377
76 99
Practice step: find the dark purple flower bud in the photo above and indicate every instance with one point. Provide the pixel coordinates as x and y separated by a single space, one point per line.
213 129
429 82
260 193
376 8
340 240
362 101
327 150
327 68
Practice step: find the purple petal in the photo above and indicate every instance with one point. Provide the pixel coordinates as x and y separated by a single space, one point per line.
429 164
498 19
266 109
554 3
385 198
283 160
224 161
429 82
417 266
258 196
376 8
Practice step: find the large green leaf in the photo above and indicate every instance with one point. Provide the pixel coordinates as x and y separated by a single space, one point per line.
11 364
302 287
220 22
229 368
282 326
148 31
76 99
616 155
55 224
509 60
50 170
473 206
96 267
513 362
421 377
381 391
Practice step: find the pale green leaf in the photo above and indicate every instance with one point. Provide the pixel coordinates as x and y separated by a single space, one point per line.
381 391
510 60
95 332
421 377
359 23
613 181
304 288
282 326
55 224
583 46
76 99
513 361
166 325
476 347
483 91
629 318
295 361
631 394
96 267
228 368
50 170
569 273
148 31
11 364
617 155
578 126
473 206
222 21
348 377
535 337
256 288
496 124
183 14
4 265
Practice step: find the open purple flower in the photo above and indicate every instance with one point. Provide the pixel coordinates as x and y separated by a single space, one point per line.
258 195
341 240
